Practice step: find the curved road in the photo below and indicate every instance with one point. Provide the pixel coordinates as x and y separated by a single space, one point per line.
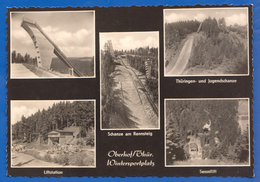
183 58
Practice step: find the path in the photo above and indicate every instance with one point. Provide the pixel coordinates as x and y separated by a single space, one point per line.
183 58
135 99
20 71
25 160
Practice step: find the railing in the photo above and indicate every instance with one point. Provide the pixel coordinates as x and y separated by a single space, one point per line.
155 108
64 59
199 28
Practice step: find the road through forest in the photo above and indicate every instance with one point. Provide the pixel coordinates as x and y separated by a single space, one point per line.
183 58
134 98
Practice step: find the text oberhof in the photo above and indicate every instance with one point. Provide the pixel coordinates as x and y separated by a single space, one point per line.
135 153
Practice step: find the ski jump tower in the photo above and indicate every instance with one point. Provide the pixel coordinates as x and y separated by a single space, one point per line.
46 49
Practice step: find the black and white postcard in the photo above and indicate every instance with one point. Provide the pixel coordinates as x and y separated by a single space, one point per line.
206 41
130 91
129 80
207 132
53 133
49 44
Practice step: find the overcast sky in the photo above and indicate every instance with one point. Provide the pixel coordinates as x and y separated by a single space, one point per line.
130 40
72 32
231 15
27 108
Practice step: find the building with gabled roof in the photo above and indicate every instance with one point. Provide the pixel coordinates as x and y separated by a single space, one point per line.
60 136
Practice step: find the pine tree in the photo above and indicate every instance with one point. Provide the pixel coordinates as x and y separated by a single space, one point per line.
14 56
185 117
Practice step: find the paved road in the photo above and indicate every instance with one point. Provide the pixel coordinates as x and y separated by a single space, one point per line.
135 99
183 58
20 71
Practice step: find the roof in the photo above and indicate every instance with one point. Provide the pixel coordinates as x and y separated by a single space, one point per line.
193 145
61 131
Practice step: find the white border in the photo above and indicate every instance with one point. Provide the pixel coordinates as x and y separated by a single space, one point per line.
100 48
75 11
95 133
249 134
226 8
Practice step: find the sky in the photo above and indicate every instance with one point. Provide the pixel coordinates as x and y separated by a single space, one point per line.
27 108
130 40
231 15
72 32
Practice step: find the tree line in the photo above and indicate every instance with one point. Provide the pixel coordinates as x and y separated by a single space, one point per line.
187 117
19 58
212 27
177 31
115 114
212 52
107 82
58 116
218 46
241 30
137 58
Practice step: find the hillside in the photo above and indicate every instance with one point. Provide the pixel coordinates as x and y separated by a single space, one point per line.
212 125
216 48
60 116
85 65
224 54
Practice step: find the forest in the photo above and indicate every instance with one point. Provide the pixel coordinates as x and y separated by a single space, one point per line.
19 58
241 30
216 46
107 82
114 112
136 59
188 117
177 31
221 47
64 114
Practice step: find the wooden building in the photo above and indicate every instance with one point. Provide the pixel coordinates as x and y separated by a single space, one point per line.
60 136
